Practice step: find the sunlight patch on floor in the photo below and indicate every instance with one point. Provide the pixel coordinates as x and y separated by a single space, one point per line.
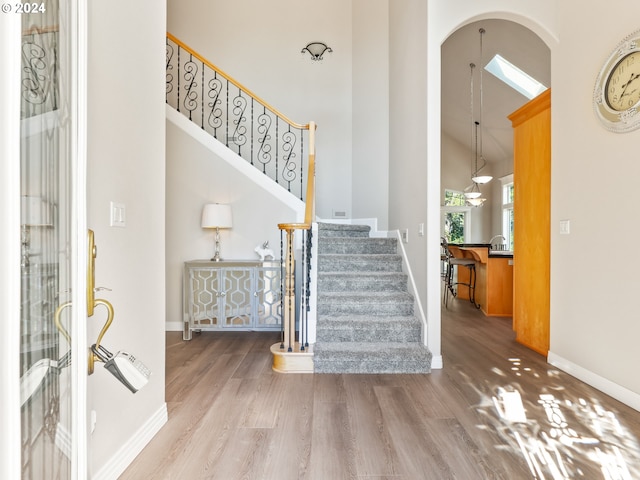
558 436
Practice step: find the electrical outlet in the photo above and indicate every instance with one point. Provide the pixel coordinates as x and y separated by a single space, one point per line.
405 235
565 227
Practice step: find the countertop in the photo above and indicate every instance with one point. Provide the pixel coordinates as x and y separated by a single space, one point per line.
492 253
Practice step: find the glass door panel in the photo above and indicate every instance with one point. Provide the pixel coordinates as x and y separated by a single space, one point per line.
46 232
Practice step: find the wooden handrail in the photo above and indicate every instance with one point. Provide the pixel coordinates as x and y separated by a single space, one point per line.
237 84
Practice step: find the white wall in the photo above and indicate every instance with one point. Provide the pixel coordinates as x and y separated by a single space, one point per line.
370 196
259 44
455 172
408 172
195 176
594 281
126 164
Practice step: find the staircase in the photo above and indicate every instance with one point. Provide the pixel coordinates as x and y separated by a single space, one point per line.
365 317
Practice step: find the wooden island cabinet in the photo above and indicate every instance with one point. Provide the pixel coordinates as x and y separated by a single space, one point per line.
494 279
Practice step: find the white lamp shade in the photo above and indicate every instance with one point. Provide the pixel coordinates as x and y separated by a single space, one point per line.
482 179
476 202
216 215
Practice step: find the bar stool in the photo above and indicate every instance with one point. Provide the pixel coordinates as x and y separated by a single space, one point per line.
451 287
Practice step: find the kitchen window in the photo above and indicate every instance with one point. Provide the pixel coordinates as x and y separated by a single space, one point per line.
455 217
507 210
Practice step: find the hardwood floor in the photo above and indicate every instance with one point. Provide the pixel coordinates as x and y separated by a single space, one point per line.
231 417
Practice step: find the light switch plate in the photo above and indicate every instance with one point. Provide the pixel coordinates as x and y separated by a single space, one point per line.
118 217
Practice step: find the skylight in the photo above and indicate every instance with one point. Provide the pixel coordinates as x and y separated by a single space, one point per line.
514 77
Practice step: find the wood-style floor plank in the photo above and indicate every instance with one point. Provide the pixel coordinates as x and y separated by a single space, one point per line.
232 418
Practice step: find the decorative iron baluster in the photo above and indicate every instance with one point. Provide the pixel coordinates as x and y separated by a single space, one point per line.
289 168
277 138
301 162
251 141
214 119
202 82
178 82
264 152
190 102
226 134
239 137
307 285
169 67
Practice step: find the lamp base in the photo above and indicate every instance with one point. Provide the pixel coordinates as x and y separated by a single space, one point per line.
216 254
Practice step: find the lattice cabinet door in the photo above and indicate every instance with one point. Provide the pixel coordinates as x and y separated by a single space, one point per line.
267 296
202 294
236 296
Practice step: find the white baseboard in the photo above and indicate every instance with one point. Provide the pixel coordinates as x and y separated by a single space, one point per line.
173 327
436 362
130 449
618 392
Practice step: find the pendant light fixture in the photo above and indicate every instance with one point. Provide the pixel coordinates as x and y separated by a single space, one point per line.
472 192
477 178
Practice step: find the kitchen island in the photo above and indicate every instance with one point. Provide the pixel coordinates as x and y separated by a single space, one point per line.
494 277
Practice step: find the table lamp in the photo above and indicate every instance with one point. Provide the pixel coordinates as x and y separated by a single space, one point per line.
216 215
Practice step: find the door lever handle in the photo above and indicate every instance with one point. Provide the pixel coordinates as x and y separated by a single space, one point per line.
91 272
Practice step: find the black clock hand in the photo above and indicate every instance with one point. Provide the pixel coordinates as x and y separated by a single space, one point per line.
626 85
633 77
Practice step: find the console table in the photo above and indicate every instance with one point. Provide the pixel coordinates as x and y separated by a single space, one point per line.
230 295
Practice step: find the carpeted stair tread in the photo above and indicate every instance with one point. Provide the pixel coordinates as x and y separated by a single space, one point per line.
378 297
371 358
373 303
369 328
359 263
326 230
350 245
362 281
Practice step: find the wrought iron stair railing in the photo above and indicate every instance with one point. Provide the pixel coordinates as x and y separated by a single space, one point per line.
236 116
272 143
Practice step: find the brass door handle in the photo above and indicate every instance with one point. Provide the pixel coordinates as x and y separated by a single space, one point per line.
91 300
91 272
92 356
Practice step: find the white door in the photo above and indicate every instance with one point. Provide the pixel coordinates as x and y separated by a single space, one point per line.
43 267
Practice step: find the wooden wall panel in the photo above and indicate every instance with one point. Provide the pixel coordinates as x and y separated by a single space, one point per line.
532 207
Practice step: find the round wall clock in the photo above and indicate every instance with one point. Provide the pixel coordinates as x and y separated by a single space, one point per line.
616 97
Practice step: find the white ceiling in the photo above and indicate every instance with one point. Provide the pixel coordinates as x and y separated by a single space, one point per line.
515 43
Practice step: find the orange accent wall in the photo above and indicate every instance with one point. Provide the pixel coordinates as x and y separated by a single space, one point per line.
532 210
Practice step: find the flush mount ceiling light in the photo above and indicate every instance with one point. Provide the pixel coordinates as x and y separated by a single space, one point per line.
316 50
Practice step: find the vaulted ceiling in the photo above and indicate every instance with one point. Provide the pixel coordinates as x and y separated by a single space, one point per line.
514 42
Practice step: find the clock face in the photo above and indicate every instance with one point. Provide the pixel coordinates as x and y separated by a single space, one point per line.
616 97
622 90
